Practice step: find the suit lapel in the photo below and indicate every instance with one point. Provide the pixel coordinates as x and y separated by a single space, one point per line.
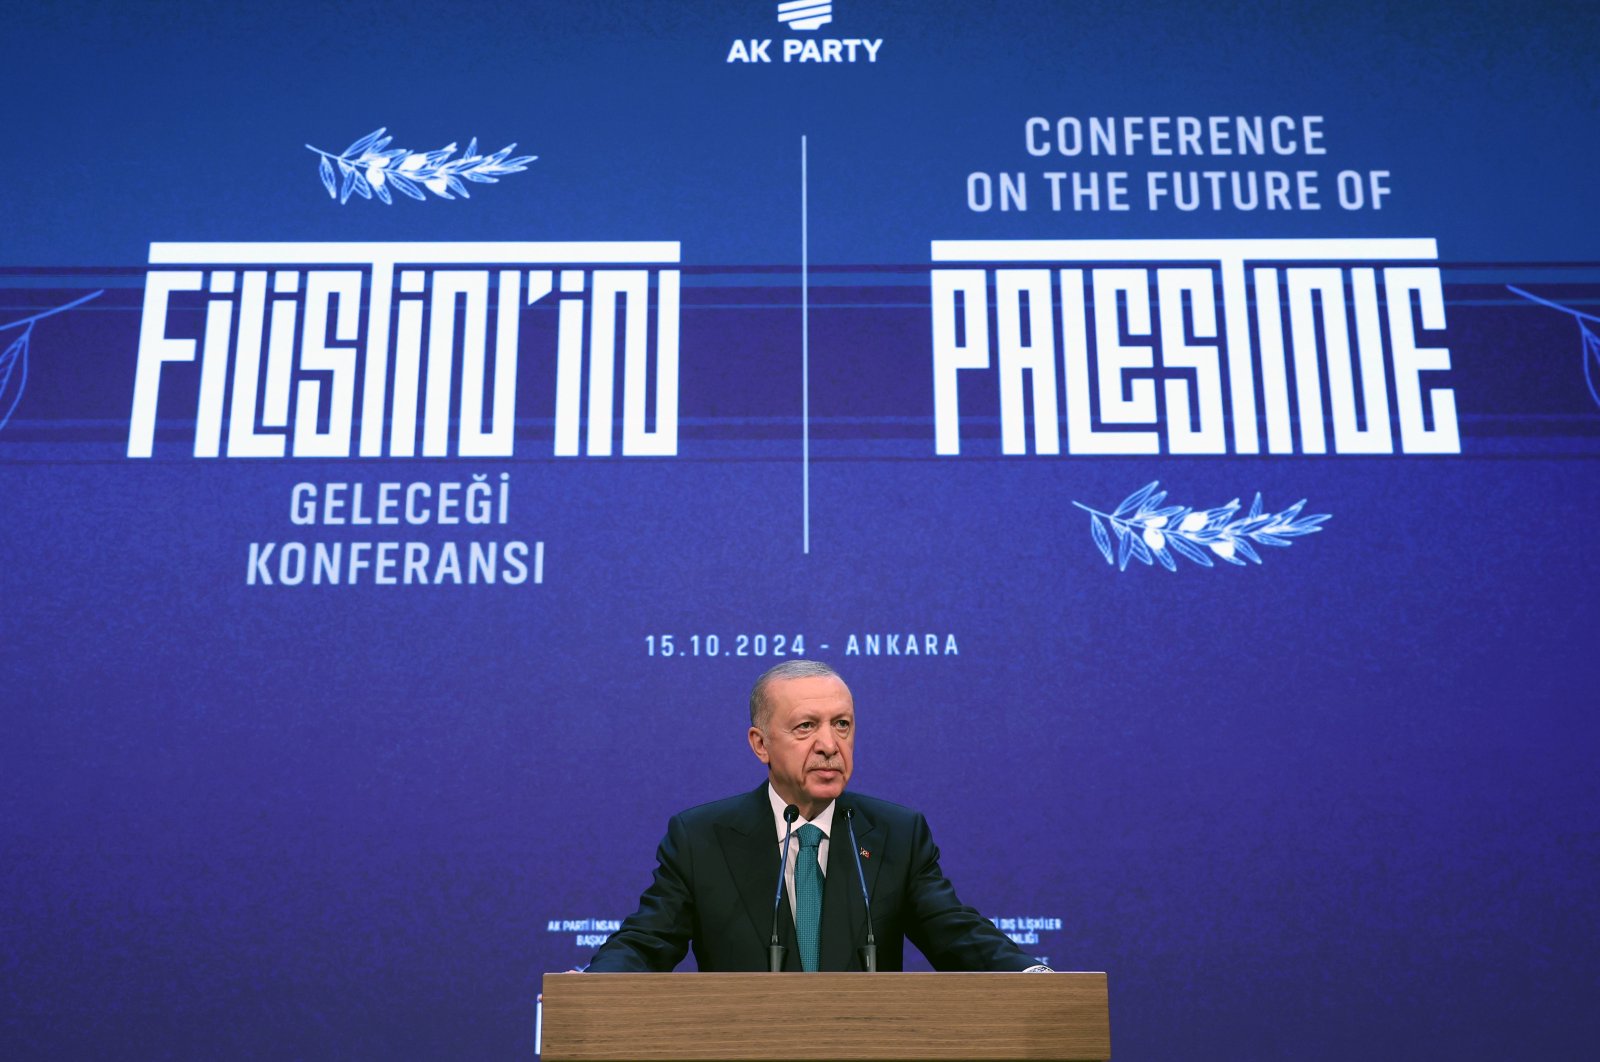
749 844
750 847
844 917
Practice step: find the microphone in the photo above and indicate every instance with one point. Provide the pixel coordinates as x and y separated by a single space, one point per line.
869 951
774 949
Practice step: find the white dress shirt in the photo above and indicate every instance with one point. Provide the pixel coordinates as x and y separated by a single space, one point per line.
823 822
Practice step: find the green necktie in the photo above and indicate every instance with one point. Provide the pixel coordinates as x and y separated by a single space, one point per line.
808 896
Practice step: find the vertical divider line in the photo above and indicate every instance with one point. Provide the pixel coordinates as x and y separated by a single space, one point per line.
805 359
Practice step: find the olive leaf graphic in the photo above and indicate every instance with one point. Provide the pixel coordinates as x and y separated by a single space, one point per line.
1150 532
1586 336
14 359
370 168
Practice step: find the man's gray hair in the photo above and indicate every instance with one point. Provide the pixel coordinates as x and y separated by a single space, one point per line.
760 709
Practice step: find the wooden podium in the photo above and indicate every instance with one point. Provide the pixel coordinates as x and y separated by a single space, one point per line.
883 1016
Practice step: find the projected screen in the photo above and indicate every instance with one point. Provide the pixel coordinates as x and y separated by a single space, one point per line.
420 425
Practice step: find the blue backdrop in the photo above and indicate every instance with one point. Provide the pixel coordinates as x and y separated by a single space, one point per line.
1339 802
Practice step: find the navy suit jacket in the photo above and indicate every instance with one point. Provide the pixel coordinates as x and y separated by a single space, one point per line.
717 872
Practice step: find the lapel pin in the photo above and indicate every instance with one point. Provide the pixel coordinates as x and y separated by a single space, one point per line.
865 854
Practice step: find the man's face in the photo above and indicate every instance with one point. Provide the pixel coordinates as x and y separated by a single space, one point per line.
808 740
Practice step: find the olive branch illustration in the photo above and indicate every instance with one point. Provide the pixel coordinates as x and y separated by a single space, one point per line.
1586 336
369 167
1150 532
14 359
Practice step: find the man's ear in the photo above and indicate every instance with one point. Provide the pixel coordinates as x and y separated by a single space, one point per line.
758 744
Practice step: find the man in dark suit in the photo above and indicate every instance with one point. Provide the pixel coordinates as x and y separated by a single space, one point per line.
717 868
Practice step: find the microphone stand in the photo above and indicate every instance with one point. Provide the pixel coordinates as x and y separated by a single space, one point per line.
774 949
869 951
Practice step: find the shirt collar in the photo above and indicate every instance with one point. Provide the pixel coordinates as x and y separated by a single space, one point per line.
823 821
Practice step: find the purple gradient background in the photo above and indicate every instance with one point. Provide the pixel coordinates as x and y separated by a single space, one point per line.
1341 804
